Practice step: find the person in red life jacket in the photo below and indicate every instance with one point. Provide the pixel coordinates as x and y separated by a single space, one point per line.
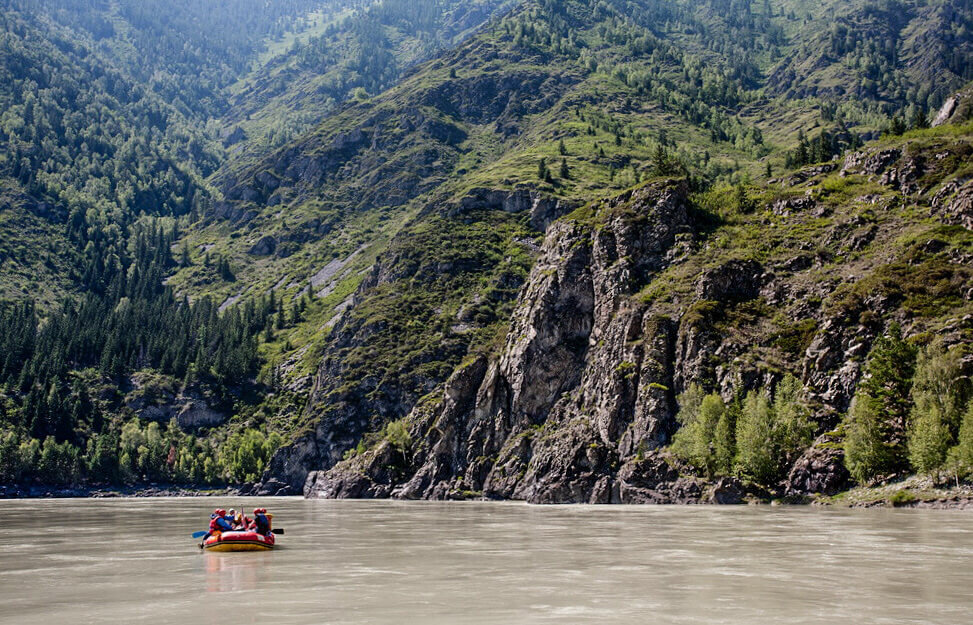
217 525
261 521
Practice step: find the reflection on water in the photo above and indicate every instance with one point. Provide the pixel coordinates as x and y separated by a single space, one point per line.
357 563
233 572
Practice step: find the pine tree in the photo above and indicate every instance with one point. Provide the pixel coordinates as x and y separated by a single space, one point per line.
888 380
919 119
561 148
542 173
897 127
565 172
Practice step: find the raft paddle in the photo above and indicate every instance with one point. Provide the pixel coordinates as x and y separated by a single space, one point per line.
200 534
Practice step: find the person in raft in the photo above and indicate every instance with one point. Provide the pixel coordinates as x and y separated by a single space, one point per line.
261 522
218 523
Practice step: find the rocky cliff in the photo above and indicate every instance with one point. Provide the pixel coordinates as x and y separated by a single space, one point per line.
632 299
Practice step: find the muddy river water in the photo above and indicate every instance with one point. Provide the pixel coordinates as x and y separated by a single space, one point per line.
353 562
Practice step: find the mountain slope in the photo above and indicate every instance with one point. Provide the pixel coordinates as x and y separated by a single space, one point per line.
554 80
636 298
335 253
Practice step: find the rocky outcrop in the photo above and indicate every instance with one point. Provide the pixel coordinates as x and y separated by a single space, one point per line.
821 470
266 246
579 388
954 204
629 302
157 398
543 208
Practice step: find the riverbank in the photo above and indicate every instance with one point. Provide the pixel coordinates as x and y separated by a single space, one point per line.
103 491
913 492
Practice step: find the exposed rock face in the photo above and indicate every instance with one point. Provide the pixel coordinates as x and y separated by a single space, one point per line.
543 209
543 422
191 408
579 403
821 470
956 109
954 204
266 246
735 280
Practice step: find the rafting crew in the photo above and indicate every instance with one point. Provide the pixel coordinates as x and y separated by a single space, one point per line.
222 521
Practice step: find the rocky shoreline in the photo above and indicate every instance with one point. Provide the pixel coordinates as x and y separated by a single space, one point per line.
720 493
106 492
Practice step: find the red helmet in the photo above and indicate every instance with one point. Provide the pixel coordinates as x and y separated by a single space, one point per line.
260 510
221 512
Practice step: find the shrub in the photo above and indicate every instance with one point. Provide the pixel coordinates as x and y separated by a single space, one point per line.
903 498
397 434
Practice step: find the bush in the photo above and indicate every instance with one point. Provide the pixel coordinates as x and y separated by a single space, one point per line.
397 434
903 498
699 416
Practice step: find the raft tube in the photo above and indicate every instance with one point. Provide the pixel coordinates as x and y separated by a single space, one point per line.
244 540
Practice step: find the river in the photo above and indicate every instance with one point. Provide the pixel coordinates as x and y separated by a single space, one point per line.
132 561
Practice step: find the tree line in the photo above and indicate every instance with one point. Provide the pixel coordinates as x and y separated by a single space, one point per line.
912 412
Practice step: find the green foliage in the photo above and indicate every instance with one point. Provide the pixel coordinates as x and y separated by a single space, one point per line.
699 415
903 497
961 455
939 392
888 380
755 439
725 438
244 456
928 437
793 428
867 454
397 434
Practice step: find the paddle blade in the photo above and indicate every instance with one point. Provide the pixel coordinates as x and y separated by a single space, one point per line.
277 531
199 534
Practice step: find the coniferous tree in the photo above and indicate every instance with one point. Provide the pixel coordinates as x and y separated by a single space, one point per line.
919 119
888 380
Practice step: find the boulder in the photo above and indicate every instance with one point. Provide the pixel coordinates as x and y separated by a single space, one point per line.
266 246
821 470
